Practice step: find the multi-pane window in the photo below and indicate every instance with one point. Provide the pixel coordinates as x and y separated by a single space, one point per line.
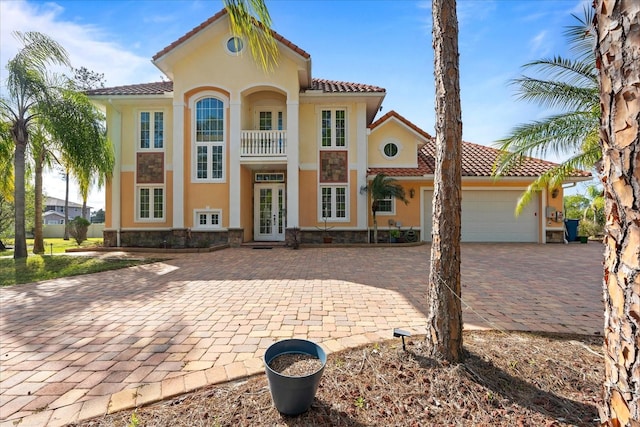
151 130
208 219
333 128
209 139
385 205
150 203
334 203
265 120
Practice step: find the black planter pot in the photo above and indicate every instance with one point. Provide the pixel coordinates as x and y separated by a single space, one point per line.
293 395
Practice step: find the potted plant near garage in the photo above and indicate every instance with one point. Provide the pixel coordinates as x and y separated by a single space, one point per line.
294 368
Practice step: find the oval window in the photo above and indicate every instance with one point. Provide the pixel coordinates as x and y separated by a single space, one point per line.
390 149
235 44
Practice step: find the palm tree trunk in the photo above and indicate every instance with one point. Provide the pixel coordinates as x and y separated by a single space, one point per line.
19 133
444 322
618 58
38 240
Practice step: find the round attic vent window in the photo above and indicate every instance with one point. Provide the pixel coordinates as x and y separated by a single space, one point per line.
390 150
235 44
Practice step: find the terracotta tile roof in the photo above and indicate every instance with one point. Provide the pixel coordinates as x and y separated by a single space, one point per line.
157 88
332 86
477 160
392 113
211 20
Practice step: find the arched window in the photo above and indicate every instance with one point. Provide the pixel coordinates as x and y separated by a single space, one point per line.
209 139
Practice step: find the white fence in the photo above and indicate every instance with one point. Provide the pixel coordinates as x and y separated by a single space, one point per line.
53 231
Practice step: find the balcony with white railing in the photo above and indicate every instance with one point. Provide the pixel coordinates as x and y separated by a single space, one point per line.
263 145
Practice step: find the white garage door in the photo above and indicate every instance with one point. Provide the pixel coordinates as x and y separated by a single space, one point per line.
488 216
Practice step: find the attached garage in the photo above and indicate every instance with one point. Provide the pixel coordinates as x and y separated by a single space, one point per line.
488 216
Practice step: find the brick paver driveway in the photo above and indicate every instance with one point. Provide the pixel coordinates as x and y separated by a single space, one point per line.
79 347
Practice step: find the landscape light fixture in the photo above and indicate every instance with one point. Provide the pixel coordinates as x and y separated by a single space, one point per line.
401 333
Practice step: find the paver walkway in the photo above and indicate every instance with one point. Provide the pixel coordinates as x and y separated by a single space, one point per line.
79 347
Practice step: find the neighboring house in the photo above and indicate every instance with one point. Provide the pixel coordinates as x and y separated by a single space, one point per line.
226 152
53 211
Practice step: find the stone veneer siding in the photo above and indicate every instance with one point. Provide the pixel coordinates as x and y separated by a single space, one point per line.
177 238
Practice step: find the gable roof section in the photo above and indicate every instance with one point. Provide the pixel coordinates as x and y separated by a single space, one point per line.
392 114
160 88
213 19
477 160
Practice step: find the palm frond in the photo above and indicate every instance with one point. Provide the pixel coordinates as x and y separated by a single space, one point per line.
553 178
555 94
560 135
582 36
582 73
251 20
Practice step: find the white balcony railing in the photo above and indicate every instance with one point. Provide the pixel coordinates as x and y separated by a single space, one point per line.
263 143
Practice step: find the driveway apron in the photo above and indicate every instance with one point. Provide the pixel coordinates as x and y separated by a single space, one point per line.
80 347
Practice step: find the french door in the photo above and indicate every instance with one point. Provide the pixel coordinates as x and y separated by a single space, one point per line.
269 212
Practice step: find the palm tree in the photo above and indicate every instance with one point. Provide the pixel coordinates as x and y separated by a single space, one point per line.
617 50
27 89
444 321
571 86
383 187
42 157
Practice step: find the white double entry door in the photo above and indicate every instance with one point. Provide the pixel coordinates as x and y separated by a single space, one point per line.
269 212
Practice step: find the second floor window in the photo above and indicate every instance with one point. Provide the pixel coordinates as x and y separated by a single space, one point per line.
209 139
151 130
333 128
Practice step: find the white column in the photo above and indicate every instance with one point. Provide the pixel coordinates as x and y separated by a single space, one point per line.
115 134
293 161
234 163
361 164
177 165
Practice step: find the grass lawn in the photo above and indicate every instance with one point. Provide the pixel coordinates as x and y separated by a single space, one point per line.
48 266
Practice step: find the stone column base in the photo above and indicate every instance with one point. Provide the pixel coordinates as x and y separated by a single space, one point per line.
236 237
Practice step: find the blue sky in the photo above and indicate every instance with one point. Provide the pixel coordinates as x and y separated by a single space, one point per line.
383 43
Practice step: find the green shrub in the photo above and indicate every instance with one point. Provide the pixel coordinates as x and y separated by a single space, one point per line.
589 228
78 228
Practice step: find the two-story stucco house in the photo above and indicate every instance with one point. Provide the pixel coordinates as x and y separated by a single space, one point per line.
225 152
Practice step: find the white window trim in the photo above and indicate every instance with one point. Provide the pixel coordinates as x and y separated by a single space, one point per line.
333 109
393 208
136 206
194 144
196 219
151 130
225 41
333 219
390 141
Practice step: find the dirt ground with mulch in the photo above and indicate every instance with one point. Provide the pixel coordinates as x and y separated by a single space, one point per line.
507 379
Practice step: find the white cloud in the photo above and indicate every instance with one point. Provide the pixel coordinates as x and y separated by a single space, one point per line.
87 45
539 43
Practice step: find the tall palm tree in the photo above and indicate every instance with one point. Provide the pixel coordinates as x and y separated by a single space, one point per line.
617 50
27 89
444 321
383 187
570 86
